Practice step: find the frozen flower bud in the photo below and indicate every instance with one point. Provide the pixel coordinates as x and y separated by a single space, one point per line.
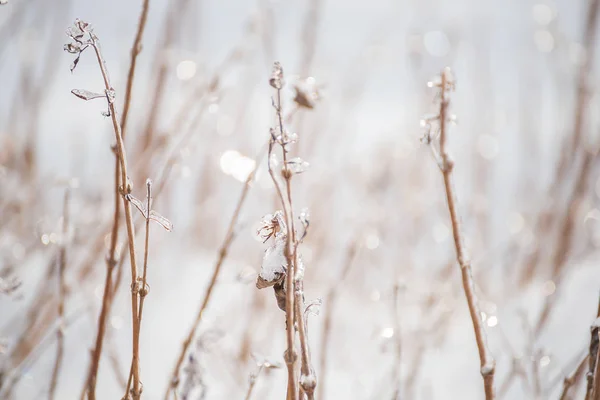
286 139
274 264
276 80
297 165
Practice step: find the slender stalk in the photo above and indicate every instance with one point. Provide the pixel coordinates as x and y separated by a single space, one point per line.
135 51
111 261
142 290
290 253
126 189
222 255
308 379
446 167
62 294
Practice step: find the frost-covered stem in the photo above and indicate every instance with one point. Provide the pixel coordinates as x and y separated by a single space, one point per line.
308 379
62 294
290 253
488 364
126 188
291 256
223 251
142 290
572 379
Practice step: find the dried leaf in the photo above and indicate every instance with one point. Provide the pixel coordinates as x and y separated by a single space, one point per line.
75 62
86 94
162 221
276 80
138 204
314 307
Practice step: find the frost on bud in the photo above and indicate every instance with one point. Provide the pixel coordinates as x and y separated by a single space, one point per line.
72 48
110 95
297 165
286 139
276 80
77 32
299 269
308 382
274 264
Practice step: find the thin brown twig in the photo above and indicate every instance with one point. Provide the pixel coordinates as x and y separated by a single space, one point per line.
222 255
111 260
290 253
62 294
446 166
143 287
126 188
308 378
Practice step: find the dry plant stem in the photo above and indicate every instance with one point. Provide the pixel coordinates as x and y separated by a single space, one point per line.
572 379
486 360
126 187
328 314
142 290
229 236
290 253
135 50
111 261
308 380
62 294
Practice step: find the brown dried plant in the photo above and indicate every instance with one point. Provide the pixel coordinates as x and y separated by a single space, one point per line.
111 261
282 266
437 140
83 37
